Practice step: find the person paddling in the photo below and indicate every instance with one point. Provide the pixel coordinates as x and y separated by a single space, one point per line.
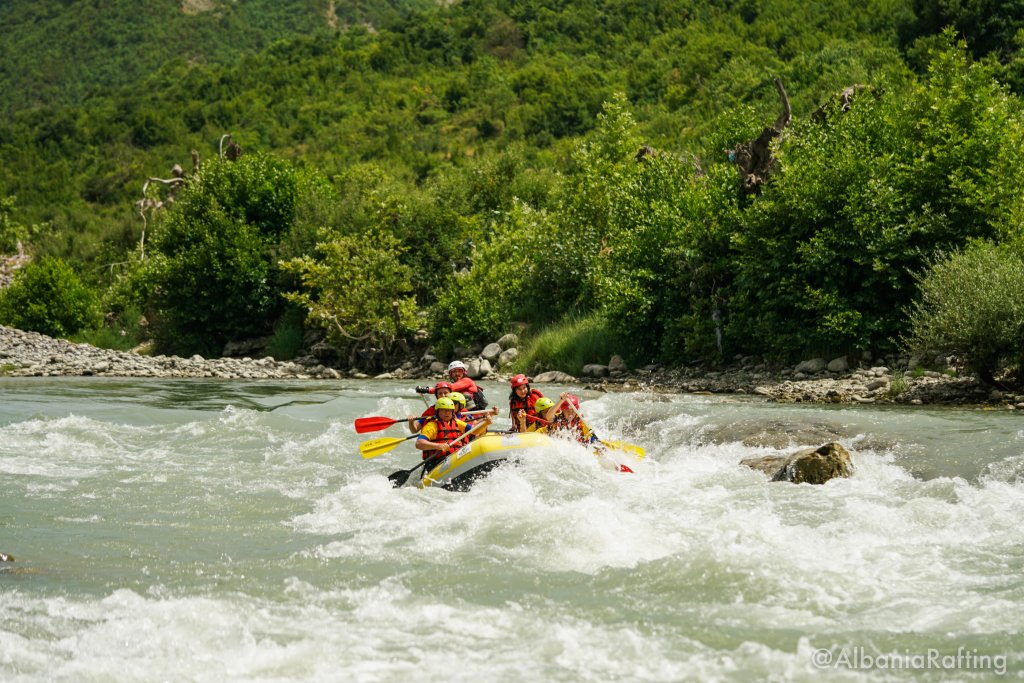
567 419
462 383
440 390
522 402
440 430
546 410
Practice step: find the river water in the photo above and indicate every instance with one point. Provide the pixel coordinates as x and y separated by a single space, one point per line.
229 531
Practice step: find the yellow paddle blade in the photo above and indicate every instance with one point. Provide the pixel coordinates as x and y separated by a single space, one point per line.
375 447
625 447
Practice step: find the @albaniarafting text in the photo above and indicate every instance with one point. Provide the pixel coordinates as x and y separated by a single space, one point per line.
862 659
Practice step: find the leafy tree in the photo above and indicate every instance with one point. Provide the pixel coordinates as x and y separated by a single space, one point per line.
355 290
971 305
826 255
47 296
215 270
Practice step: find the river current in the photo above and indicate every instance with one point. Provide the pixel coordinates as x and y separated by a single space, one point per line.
230 531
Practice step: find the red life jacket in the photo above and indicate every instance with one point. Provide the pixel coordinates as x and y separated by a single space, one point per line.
515 404
526 403
446 433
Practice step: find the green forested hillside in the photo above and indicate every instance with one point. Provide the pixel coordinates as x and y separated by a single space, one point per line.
496 139
62 51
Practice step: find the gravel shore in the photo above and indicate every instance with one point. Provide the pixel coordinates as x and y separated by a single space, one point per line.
28 354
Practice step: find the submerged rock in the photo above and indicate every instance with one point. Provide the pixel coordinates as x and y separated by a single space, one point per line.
808 466
777 434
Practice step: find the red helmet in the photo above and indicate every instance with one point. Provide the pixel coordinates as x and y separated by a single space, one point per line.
442 385
574 400
519 380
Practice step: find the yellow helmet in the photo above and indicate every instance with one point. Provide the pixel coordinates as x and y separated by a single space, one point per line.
543 403
458 397
445 403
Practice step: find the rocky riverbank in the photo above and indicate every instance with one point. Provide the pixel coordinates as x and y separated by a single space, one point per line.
28 354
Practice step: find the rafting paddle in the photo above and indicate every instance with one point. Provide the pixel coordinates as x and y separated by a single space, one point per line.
375 424
375 447
399 478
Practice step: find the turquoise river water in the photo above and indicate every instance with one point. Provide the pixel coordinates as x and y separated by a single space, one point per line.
229 531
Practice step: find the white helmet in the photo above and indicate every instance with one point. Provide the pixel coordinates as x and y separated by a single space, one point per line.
456 365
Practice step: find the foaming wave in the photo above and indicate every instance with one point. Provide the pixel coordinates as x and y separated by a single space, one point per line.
554 508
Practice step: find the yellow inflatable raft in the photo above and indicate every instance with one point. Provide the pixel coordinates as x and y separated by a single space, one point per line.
458 471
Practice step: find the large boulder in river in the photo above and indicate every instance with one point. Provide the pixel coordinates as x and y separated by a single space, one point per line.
595 370
509 341
554 377
809 466
507 357
491 352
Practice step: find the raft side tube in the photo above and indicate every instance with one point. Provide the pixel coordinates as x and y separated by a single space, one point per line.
475 459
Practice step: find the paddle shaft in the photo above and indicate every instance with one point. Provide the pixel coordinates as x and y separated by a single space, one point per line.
377 423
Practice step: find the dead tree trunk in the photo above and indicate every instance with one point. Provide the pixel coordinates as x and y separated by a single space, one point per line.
754 159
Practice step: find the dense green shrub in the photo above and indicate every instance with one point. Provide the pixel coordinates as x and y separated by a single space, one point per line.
289 335
214 273
47 296
123 332
971 305
356 291
13 233
825 255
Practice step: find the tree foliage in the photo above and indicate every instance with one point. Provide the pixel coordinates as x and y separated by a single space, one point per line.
215 268
47 296
485 154
972 306
356 290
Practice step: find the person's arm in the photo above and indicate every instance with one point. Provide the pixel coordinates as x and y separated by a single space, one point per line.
465 386
415 424
567 405
426 441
